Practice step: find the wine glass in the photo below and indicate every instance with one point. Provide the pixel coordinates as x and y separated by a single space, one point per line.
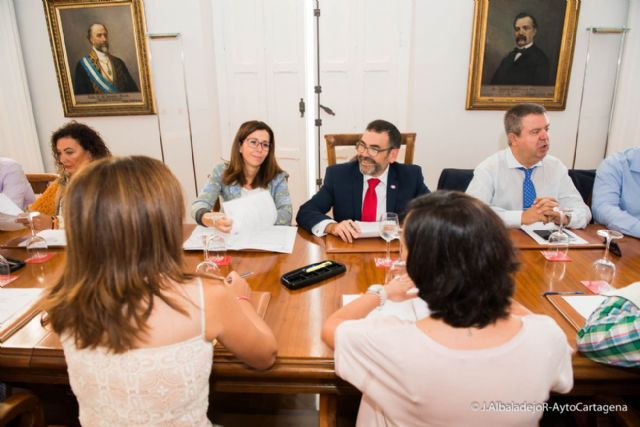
389 227
603 268
554 273
397 268
5 271
559 239
207 265
36 245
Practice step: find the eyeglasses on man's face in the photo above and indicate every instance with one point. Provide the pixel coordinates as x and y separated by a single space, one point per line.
256 143
373 151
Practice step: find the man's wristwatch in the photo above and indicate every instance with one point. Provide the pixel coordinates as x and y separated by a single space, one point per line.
380 291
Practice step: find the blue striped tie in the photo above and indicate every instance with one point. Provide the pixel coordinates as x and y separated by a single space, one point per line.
528 190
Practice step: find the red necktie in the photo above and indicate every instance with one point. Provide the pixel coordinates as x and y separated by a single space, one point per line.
370 204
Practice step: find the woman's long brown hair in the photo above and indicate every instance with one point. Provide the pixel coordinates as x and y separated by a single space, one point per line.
123 222
268 169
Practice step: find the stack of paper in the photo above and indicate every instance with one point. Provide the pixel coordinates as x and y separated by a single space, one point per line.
17 307
52 237
253 218
9 212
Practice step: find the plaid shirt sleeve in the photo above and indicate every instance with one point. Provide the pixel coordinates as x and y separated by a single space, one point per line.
612 334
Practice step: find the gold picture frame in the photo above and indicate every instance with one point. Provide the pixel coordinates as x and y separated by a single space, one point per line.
93 81
498 81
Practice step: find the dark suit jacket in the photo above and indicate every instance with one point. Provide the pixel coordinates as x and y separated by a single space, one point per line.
122 80
531 68
342 191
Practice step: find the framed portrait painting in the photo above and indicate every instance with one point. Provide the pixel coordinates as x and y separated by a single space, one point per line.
521 52
100 54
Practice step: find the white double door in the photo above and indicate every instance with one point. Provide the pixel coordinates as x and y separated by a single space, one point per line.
259 53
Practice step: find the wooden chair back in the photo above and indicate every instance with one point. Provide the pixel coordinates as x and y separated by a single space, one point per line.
349 139
40 181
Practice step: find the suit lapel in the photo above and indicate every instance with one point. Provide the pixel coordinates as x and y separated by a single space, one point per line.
392 188
356 192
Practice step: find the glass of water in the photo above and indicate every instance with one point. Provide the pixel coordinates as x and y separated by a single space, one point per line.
36 245
604 268
389 228
5 271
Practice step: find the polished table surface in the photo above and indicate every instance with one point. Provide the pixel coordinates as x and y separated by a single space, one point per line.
305 363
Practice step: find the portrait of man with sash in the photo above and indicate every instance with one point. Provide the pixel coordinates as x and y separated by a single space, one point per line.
101 56
99 71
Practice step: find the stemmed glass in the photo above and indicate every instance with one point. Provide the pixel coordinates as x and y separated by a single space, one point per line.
5 271
397 268
603 268
559 239
389 227
207 265
36 245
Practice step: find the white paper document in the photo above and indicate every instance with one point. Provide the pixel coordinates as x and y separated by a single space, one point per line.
9 212
585 304
412 309
52 237
368 229
253 218
15 300
574 239
275 238
255 211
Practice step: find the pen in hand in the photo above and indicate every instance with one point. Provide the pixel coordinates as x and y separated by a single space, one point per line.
243 275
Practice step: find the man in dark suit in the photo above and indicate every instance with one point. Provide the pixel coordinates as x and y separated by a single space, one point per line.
100 72
365 188
527 64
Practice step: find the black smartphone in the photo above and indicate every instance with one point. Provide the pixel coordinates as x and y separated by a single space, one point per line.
613 247
543 233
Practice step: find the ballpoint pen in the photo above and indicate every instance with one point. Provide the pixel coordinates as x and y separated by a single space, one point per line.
243 275
563 293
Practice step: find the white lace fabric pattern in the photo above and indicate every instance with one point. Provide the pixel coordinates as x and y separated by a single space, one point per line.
159 386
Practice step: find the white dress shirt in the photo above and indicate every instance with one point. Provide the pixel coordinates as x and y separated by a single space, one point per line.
497 182
105 64
381 207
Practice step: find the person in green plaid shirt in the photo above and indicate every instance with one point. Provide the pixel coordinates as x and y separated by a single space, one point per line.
612 333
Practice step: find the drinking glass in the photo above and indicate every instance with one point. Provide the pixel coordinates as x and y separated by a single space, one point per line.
603 268
397 268
389 227
5 271
553 274
207 265
559 239
36 245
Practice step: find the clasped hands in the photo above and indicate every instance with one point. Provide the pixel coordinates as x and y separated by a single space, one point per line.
543 210
401 288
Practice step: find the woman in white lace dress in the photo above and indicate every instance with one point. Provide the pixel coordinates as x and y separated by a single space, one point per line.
136 330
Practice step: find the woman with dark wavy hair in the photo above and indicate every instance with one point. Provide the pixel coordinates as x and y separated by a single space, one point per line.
476 350
73 146
136 329
252 167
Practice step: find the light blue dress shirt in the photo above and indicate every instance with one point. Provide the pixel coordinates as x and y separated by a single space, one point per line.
616 192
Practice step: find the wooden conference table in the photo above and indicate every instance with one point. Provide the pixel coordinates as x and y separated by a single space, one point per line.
305 364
